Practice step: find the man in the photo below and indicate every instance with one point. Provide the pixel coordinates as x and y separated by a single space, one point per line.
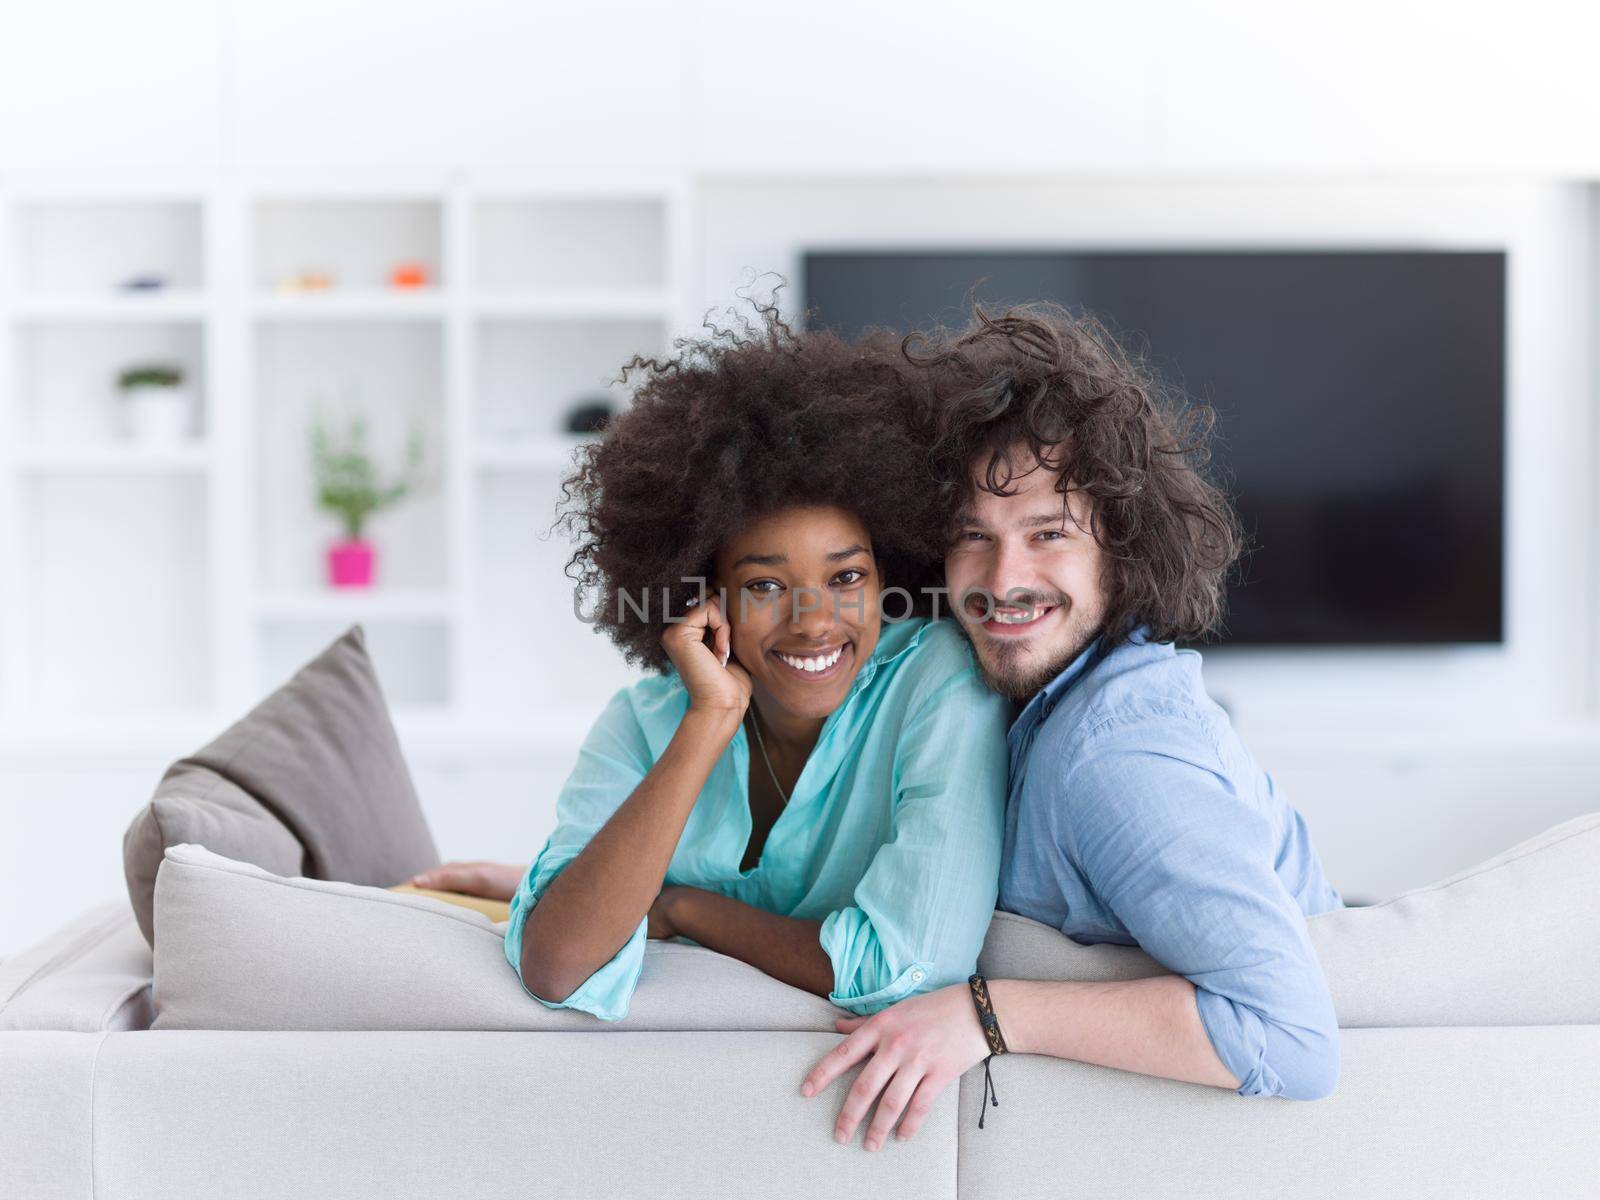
1085 542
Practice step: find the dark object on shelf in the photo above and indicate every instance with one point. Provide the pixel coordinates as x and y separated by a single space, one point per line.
143 283
589 416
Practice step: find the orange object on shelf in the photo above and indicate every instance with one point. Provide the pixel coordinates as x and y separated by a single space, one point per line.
409 275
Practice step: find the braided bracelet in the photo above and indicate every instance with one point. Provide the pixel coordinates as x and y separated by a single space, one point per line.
992 1034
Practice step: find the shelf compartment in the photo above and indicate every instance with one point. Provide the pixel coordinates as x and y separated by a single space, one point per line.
583 242
182 304
529 651
576 303
146 647
40 457
553 452
411 657
66 376
357 242
393 373
352 304
531 373
87 248
356 604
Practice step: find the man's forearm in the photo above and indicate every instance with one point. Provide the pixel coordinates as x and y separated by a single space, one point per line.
1147 1025
786 948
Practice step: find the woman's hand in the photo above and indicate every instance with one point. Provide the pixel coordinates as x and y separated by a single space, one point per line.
912 1050
493 881
712 686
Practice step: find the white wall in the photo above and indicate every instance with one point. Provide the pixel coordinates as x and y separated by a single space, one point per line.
721 85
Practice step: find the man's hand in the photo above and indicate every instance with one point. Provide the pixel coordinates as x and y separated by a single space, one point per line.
912 1050
493 881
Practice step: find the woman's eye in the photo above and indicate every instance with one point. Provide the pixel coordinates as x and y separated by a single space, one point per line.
763 587
1050 534
969 535
847 577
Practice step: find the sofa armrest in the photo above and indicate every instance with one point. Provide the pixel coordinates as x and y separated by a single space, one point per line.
93 974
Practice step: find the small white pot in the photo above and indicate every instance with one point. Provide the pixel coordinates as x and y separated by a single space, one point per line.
154 415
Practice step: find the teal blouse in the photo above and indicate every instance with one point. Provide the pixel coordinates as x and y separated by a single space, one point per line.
892 837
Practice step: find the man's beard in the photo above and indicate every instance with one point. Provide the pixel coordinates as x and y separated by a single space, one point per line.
1009 668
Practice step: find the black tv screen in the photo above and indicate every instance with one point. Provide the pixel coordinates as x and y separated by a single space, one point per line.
1360 401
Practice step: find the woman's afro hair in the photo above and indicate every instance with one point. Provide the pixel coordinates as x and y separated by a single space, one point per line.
734 425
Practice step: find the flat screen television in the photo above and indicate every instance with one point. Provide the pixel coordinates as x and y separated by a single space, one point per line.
1360 401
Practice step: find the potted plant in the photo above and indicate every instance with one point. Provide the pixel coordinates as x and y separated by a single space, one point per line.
348 486
155 406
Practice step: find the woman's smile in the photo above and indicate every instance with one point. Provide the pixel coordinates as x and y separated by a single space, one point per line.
815 665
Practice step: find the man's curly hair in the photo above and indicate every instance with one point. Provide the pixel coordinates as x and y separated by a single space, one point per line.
735 425
1061 385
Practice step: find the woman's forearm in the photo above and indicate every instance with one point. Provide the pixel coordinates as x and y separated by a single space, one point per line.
1147 1025
590 910
787 948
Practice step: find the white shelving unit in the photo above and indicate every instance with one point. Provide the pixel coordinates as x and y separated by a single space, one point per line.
167 588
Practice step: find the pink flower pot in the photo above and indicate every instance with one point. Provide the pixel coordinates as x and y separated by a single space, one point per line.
350 563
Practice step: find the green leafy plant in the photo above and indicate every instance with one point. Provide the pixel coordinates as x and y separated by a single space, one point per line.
150 376
347 479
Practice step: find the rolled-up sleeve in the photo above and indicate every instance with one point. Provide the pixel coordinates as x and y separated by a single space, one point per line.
1187 864
613 760
923 905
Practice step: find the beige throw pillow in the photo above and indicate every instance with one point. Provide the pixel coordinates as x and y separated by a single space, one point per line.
310 782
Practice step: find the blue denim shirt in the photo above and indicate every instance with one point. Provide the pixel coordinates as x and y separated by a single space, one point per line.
1136 816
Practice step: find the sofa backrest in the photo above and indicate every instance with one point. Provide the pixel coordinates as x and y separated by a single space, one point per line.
1511 941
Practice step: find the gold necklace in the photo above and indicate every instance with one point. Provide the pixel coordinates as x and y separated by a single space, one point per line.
762 745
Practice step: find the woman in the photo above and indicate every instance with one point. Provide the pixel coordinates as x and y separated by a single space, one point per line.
803 785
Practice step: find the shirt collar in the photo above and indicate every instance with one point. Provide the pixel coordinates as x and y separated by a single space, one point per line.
895 638
1039 705
1042 702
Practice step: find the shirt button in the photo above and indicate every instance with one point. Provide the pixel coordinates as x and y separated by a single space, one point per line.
916 976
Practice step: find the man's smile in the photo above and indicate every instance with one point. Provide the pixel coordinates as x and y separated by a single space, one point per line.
1006 621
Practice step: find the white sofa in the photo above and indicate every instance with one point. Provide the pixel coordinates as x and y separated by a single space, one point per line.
1470 1015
